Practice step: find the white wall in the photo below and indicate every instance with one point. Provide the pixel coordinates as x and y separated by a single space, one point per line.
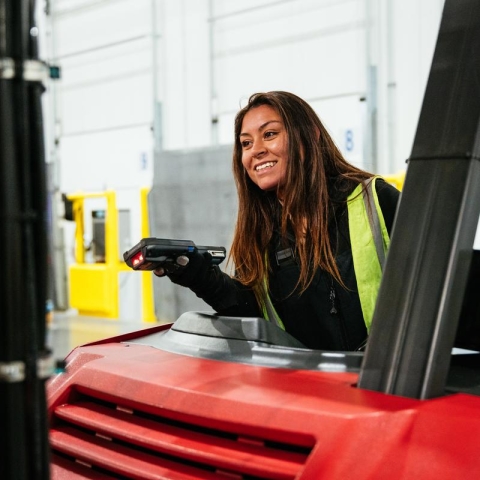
99 128
201 60
312 48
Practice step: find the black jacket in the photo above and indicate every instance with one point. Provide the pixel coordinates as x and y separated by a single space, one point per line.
326 316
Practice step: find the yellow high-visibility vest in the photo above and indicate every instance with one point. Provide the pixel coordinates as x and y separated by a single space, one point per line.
369 240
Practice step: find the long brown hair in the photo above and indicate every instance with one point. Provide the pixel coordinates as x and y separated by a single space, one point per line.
316 176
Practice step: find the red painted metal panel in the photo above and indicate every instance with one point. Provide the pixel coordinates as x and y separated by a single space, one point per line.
63 469
249 458
352 432
119 459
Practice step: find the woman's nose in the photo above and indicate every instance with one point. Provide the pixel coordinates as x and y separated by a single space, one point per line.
258 149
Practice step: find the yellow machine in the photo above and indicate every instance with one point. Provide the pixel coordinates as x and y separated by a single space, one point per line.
397 180
94 287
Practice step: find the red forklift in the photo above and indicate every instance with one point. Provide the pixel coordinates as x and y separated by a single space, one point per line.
211 397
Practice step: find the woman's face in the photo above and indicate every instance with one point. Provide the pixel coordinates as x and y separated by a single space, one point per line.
264 147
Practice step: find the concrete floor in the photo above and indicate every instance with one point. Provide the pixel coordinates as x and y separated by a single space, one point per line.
67 330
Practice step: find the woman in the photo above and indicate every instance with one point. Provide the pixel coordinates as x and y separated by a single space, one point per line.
295 242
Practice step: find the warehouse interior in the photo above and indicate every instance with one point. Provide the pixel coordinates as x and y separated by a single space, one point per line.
138 130
144 105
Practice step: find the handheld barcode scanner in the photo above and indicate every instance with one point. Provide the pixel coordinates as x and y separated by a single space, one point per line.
152 253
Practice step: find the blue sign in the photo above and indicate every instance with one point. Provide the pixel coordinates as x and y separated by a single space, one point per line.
349 140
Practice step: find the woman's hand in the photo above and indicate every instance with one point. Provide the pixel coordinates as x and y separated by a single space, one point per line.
209 283
191 272
181 262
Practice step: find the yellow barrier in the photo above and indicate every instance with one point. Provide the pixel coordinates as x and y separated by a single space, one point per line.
94 286
94 289
397 180
148 304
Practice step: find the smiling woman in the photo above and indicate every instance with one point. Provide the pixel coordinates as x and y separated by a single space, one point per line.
312 230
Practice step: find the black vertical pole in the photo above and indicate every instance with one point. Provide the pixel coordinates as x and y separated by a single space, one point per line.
24 361
425 276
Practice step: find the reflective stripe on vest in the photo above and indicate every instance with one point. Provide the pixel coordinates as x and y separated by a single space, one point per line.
369 240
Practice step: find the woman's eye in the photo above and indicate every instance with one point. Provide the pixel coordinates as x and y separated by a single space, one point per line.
269 134
246 143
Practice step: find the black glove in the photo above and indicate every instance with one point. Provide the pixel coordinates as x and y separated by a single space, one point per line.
187 271
207 281
172 265
224 294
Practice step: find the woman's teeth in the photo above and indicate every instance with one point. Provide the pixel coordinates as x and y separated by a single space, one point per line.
265 165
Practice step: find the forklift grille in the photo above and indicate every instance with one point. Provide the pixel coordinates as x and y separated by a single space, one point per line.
94 436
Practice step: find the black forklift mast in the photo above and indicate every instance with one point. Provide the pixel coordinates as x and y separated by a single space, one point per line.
425 276
24 361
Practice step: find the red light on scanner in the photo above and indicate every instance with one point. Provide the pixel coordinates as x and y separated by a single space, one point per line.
137 259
